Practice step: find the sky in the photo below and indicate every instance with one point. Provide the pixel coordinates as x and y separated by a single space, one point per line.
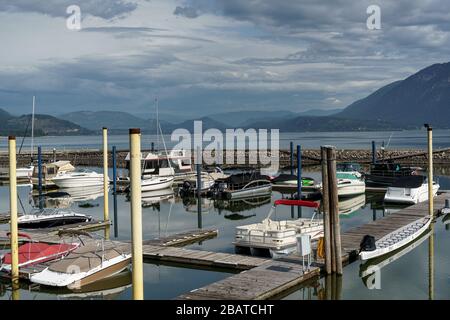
201 57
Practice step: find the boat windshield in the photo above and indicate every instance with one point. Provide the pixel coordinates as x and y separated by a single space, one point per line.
348 167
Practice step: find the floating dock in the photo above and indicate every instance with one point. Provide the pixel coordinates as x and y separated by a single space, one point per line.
263 282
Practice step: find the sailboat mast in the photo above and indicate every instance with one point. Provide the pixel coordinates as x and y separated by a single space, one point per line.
32 128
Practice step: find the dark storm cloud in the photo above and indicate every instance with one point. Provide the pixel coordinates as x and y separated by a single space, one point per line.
188 12
106 9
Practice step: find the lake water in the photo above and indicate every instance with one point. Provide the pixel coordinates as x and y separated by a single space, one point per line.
405 278
414 139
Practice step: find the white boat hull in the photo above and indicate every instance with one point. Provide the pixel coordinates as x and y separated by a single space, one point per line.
78 181
351 188
397 239
58 279
156 183
414 196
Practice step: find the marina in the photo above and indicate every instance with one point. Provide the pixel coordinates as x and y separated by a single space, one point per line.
256 276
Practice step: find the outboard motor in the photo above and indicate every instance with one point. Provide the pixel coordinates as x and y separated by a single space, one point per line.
367 243
185 189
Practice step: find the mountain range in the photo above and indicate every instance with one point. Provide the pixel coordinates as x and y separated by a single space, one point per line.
423 97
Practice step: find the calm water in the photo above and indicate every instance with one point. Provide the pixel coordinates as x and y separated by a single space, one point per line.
404 278
414 139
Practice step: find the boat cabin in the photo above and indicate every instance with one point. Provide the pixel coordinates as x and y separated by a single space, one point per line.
50 170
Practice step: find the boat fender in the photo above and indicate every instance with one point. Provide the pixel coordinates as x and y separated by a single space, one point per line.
367 243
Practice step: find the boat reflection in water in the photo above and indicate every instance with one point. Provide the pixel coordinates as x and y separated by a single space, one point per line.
233 207
369 270
154 197
191 204
105 289
54 200
348 206
88 193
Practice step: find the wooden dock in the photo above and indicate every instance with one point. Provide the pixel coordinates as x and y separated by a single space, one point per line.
183 238
263 282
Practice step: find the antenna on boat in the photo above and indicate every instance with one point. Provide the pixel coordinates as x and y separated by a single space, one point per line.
32 129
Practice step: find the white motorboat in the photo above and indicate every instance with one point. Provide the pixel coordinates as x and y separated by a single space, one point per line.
397 239
410 190
156 183
78 179
277 237
51 170
32 253
47 218
83 266
350 187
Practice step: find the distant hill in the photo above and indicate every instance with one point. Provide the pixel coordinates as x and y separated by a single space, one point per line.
4 116
95 120
236 119
322 124
207 123
421 98
319 112
43 125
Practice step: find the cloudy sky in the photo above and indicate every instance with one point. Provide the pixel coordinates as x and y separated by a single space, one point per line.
206 56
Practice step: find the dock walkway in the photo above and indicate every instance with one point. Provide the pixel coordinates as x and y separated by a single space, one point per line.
268 280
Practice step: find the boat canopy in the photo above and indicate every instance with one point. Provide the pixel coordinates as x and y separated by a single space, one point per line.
409 182
299 203
244 178
84 258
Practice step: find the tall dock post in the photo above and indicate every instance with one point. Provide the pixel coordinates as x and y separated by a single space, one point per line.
114 164
136 214
430 170
299 178
105 175
199 187
326 211
334 207
40 177
374 153
291 156
13 211
40 169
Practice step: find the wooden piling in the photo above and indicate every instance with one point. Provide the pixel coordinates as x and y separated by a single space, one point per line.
136 214
326 212
199 187
430 170
13 211
334 207
105 175
291 156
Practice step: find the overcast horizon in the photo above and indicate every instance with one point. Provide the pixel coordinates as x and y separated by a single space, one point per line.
202 57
